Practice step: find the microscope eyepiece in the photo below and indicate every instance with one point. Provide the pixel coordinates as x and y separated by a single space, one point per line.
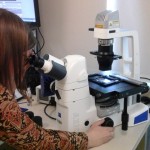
36 61
50 65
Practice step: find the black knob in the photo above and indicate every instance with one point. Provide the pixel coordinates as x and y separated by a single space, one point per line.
86 123
30 114
108 122
38 120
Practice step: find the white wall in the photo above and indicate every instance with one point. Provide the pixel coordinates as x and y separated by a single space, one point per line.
65 23
135 14
65 27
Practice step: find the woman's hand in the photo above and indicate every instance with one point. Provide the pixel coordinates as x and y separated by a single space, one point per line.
98 135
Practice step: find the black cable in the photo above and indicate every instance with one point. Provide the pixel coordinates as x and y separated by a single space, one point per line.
38 45
46 112
43 43
145 78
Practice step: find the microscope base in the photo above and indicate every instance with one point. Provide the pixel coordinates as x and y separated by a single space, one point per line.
138 113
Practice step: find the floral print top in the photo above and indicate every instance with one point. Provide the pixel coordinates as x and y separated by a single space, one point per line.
19 131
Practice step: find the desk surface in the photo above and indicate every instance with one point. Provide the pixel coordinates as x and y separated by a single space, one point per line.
123 140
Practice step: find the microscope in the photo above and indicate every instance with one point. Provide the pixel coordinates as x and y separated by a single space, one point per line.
80 96
112 90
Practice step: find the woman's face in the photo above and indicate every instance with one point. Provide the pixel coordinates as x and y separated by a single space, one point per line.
30 52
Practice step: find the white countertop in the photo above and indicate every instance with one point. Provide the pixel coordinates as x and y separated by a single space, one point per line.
123 140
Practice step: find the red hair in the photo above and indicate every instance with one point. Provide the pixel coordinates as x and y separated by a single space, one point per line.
13 47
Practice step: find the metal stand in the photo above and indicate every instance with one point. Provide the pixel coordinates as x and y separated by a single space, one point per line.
125 115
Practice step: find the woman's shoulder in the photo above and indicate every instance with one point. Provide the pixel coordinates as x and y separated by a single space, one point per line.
2 89
4 92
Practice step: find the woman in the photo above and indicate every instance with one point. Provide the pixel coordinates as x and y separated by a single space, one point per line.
16 128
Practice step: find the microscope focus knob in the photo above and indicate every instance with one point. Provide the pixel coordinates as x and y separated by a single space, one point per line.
108 122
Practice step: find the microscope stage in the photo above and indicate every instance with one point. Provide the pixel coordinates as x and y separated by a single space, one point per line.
115 86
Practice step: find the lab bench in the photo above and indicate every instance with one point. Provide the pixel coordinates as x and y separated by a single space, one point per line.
123 140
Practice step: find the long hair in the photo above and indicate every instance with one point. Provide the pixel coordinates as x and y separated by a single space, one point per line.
13 47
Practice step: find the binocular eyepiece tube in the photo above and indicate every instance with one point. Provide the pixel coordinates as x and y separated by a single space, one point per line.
50 65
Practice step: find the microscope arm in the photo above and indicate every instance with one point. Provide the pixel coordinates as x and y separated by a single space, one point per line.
72 86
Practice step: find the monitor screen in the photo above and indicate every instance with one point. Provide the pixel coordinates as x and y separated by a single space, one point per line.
28 10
